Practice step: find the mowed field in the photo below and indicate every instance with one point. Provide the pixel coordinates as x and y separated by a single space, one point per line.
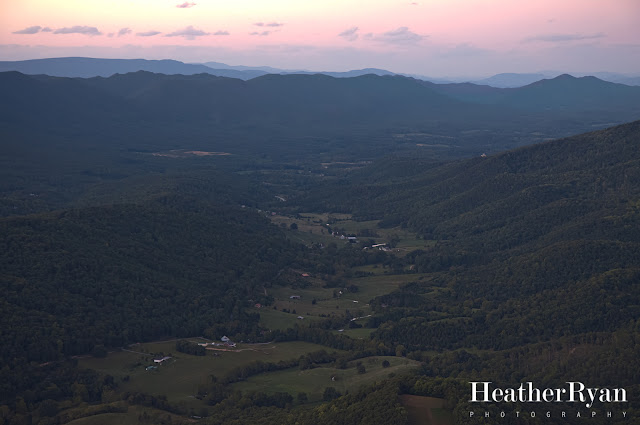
326 305
426 410
314 381
357 333
179 377
312 228
131 417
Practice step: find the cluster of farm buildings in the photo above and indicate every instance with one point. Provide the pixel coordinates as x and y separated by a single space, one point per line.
225 342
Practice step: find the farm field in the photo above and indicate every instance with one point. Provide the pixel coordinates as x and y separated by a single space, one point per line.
326 304
276 319
426 410
179 377
314 381
130 417
313 228
357 333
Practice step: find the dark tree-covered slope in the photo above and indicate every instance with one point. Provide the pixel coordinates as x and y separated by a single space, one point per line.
113 275
539 193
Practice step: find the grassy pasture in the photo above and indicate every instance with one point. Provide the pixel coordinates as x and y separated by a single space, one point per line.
179 377
314 381
369 287
128 418
276 319
312 228
357 333
426 410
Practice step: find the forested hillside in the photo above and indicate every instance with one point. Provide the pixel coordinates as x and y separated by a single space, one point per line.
581 187
111 276
532 244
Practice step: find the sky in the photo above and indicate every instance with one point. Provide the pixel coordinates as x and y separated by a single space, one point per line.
437 38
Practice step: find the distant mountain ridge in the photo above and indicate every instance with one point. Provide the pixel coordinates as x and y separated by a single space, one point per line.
510 80
75 67
305 116
562 92
513 80
96 67
315 97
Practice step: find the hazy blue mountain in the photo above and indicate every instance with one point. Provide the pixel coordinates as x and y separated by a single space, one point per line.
630 80
563 92
271 70
566 91
513 80
234 73
347 74
266 69
506 80
435 80
93 67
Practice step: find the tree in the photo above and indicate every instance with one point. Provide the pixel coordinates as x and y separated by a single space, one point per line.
361 369
99 351
330 393
302 398
305 363
385 363
293 226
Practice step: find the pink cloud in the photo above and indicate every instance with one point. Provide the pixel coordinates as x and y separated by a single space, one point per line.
400 35
30 30
78 29
350 34
558 38
190 33
270 24
148 33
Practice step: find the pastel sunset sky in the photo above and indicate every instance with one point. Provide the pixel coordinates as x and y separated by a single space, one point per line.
428 37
